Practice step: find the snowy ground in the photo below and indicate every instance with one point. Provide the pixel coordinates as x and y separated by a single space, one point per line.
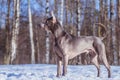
48 72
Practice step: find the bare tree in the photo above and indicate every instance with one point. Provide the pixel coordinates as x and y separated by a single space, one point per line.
94 18
78 18
56 7
61 12
108 40
118 23
47 35
70 5
78 25
7 55
66 13
113 32
31 34
101 16
37 43
15 30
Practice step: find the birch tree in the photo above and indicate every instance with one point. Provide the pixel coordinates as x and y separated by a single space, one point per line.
61 12
113 32
78 25
78 18
31 34
47 35
15 30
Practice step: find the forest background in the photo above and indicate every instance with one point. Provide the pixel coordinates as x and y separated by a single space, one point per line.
22 41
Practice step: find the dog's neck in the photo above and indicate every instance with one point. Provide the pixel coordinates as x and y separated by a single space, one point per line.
59 32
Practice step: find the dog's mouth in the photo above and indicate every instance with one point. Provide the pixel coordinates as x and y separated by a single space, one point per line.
45 27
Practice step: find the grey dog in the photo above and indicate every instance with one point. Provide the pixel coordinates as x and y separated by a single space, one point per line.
68 47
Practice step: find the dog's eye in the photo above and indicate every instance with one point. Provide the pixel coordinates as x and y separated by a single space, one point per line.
46 22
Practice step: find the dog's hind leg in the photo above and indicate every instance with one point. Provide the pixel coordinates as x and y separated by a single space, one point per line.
104 59
108 67
94 60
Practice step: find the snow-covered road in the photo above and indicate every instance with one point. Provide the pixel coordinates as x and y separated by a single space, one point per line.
48 72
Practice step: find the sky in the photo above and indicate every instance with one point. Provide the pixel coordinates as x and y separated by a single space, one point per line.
35 7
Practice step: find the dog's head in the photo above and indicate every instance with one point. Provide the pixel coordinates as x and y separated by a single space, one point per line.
51 24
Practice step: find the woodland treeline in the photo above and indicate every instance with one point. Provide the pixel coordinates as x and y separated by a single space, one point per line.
22 41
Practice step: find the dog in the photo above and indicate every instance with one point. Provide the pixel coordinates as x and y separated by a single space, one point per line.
67 47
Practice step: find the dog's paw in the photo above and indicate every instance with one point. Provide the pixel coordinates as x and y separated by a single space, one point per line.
58 75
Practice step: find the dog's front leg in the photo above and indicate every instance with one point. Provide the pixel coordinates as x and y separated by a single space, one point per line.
59 66
65 63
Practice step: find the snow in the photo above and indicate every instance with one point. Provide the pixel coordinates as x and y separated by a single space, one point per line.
48 72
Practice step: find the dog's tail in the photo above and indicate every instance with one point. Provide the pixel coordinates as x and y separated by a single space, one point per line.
102 25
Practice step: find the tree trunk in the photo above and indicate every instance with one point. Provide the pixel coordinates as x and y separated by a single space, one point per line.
61 12
113 33
31 34
94 18
47 35
108 41
56 8
100 17
118 14
66 7
15 30
71 12
7 54
78 27
78 18
37 44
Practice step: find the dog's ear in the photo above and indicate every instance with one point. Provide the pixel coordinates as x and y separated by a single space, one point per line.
54 18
